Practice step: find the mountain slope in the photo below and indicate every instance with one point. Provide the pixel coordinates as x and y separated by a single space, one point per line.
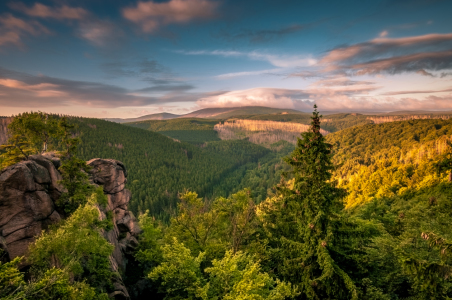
229 112
159 167
159 116
390 159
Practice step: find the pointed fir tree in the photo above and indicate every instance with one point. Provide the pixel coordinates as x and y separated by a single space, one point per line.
313 244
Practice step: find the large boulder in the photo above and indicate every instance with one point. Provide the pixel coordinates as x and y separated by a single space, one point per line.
109 173
27 202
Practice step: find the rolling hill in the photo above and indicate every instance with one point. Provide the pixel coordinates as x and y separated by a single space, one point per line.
159 116
211 113
231 112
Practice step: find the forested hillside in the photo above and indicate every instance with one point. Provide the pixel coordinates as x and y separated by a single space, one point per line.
331 123
362 213
191 130
261 132
160 168
389 159
394 118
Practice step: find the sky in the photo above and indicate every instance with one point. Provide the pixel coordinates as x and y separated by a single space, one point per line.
123 59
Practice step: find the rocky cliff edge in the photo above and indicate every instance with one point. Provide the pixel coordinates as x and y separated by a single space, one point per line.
29 191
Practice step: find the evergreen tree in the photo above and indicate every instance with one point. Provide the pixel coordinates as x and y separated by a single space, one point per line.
73 170
314 245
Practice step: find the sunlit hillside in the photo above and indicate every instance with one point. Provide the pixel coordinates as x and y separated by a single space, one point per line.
261 132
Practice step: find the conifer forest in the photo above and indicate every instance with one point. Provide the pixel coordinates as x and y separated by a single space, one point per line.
362 211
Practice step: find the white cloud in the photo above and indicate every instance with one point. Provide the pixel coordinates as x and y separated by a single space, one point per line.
270 97
281 61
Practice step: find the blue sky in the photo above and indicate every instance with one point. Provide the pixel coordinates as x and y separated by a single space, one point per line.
127 58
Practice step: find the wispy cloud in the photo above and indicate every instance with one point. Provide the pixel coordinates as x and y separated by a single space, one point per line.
282 61
100 32
408 63
417 92
152 15
42 91
43 11
246 73
96 31
430 52
13 30
384 33
264 35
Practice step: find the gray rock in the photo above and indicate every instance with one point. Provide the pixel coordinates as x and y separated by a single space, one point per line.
109 173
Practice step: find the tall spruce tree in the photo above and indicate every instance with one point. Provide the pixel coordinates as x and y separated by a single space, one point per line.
313 244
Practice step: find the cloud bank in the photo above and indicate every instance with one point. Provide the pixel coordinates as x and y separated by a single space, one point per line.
24 90
421 54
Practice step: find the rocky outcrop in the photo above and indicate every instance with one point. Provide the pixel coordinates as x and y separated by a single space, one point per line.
29 191
112 175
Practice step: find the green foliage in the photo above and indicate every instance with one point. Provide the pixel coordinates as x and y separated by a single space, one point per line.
73 171
78 245
179 275
416 252
30 133
406 156
313 245
149 250
197 225
10 277
235 276
18 148
75 180
238 276
38 128
52 284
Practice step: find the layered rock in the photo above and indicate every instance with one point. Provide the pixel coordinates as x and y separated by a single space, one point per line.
29 191
112 175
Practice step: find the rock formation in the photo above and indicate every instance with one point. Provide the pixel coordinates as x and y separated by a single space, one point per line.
29 191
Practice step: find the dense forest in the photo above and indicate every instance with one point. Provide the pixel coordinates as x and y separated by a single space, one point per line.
191 130
161 168
361 213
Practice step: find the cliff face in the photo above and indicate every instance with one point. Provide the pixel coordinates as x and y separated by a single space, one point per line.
262 132
28 194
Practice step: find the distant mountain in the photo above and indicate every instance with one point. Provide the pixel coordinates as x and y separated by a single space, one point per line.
159 116
211 113
229 112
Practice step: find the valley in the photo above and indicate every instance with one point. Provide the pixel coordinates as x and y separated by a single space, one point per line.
391 174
